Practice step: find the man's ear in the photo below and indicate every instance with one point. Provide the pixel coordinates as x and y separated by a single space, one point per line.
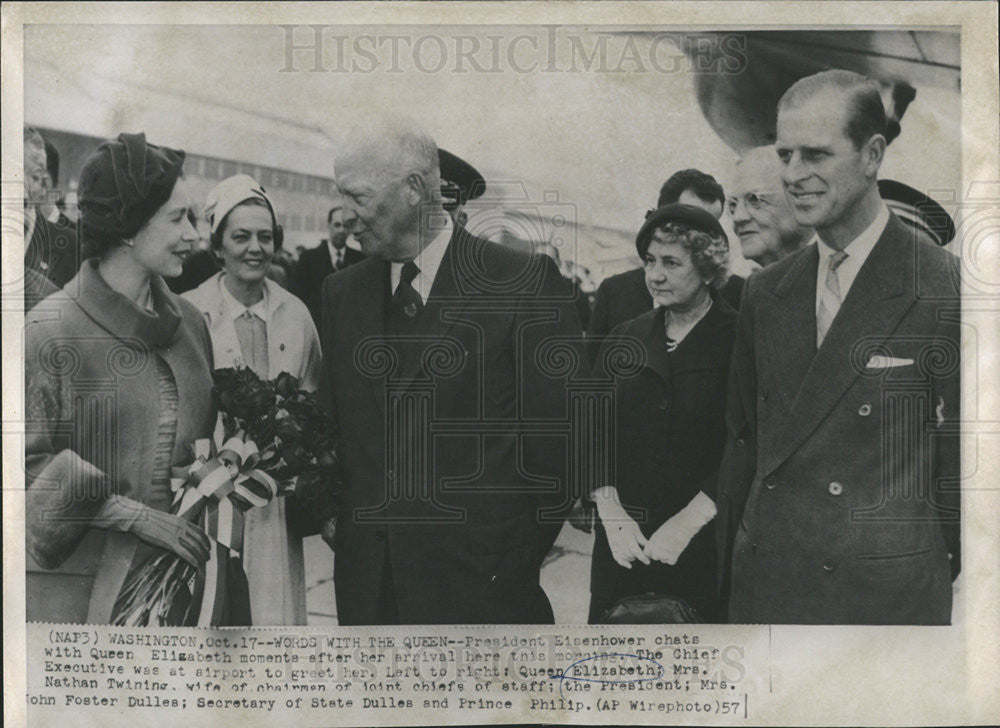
874 152
416 187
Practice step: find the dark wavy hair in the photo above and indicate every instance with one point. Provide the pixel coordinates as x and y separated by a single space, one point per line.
703 185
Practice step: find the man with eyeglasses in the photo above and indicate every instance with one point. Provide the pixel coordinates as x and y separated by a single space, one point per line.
762 218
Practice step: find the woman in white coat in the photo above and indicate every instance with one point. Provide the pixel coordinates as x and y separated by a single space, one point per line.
256 323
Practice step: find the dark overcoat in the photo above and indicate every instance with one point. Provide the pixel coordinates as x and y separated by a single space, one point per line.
849 512
52 256
312 268
669 437
453 439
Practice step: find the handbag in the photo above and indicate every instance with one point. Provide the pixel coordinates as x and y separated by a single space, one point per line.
651 608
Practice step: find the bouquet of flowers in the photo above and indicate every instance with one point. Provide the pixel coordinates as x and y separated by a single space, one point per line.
271 439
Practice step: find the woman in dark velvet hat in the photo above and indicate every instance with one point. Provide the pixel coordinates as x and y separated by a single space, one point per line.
669 367
118 385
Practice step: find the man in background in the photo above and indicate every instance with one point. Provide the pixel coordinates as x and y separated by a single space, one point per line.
51 254
762 216
54 208
330 256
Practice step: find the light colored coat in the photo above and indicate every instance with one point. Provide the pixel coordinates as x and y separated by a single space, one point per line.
91 424
272 556
292 341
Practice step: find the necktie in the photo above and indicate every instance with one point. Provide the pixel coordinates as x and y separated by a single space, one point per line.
406 302
340 259
829 301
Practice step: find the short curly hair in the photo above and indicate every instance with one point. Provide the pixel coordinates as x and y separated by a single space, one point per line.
709 253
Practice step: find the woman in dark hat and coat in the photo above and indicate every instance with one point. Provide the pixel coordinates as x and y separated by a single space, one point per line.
669 367
118 385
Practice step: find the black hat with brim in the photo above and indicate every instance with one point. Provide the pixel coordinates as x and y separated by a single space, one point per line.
460 181
689 216
918 210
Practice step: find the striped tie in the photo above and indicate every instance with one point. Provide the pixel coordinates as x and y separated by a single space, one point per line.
829 301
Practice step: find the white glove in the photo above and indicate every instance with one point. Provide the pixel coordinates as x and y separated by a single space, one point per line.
624 535
670 539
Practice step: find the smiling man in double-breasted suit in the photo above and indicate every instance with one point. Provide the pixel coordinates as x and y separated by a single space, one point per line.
847 387
450 411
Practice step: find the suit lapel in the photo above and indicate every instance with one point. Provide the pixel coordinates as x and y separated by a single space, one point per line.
790 323
445 303
325 262
368 313
880 296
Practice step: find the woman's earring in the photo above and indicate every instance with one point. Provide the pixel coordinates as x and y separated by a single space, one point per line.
129 243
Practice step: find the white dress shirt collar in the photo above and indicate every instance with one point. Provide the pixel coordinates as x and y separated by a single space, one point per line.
857 251
233 309
428 261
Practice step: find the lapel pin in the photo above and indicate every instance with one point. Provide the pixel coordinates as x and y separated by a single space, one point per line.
410 309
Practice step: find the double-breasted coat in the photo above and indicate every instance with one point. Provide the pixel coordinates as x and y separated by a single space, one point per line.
847 510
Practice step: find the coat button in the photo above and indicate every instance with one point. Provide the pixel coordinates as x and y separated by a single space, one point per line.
740 442
281 347
391 474
770 482
664 404
753 547
763 394
865 409
829 565
835 488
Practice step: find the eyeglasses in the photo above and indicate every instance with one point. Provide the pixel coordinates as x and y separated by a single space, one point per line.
754 201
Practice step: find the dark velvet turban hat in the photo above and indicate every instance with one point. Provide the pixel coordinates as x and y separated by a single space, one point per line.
124 183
